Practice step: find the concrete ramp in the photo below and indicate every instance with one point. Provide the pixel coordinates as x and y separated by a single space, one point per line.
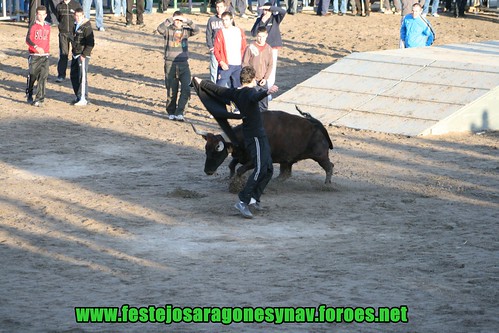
431 90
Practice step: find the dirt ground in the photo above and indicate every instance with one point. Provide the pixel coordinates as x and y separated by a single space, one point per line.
108 204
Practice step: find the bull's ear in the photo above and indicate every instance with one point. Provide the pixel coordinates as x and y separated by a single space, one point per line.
204 136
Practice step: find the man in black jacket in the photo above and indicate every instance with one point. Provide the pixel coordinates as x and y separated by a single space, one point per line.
256 142
82 45
65 16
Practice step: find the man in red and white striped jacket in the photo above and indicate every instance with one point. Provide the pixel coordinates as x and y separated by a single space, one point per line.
38 40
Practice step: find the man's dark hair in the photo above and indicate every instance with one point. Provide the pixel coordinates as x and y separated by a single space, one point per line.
219 1
248 74
39 8
177 13
227 13
79 10
261 29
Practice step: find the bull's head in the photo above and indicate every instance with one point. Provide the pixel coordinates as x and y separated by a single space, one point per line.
217 149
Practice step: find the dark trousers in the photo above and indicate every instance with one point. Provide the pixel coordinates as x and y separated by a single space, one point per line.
62 64
38 72
32 10
259 149
323 7
363 3
78 74
140 11
177 73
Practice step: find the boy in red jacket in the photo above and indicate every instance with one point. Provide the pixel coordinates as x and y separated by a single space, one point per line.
38 40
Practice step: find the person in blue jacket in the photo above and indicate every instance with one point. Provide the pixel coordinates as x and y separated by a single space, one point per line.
415 30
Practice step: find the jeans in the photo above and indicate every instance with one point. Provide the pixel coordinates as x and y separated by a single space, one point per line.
99 11
229 78
148 8
119 7
434 7
343 7
213 67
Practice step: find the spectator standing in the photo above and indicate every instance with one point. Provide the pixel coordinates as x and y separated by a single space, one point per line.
271 19
65 15
459 7
229 47
99 12
415 30
214 24
82 44
129 12
38 40
434 8
259 56
323 7
176 31
363 7
119 8
342 9
292 6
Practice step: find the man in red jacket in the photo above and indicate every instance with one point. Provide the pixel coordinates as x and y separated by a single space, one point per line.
229 46
38 40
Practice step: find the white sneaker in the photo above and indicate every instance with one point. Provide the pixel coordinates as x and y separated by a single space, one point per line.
179 118
435 15
101 29
81 102
59 79
171 117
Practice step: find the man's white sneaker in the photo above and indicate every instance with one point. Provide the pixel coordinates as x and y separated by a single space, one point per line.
179 118
171 116
435 15
81 102
243 209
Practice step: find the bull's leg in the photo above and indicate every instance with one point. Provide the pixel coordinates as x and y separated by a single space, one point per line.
232 167
284 171
326 164
243 168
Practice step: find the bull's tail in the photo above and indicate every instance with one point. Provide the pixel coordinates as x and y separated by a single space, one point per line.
317 123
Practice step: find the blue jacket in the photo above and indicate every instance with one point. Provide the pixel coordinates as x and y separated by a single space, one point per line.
415 32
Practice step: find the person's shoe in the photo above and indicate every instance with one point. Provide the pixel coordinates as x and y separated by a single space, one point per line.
81 102
102 29
128 25
179 118
59 79
435 15
38 104
171 117
140 25
243 209
256 205
29 99
244 16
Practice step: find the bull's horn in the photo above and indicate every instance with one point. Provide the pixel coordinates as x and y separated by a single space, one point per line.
202 133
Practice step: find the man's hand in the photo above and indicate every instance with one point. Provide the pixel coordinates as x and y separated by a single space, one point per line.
224 66
273 90
40 50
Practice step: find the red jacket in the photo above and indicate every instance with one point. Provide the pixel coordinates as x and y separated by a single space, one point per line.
220 51
38 35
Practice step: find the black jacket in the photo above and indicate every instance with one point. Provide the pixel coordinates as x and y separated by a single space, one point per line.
65 15
83 39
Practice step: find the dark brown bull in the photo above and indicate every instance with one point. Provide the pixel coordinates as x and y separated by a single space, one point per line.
292 139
